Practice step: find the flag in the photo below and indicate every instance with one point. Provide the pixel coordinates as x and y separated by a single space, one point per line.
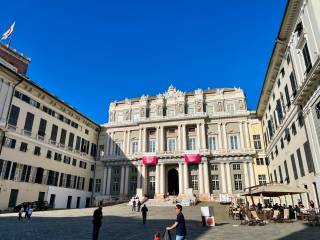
8 32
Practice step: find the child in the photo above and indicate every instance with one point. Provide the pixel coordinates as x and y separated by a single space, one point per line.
157 236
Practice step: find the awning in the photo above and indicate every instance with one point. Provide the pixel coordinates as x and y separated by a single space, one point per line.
192 157
274 190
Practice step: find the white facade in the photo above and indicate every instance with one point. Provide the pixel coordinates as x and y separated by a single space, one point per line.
288 100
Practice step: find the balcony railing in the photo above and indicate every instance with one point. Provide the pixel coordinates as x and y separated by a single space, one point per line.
26 132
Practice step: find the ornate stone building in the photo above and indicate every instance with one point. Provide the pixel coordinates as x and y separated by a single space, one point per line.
177 142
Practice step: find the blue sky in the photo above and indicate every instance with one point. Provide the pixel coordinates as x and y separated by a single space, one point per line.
89 53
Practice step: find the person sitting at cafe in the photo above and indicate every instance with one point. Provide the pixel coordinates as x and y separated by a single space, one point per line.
292 214
276 206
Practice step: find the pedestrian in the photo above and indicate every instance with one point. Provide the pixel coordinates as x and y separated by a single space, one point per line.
29 211
157 236
144 211
133 205
21 210
139 205
179 225
26 212
97 217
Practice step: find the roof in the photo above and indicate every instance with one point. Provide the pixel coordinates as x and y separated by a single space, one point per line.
288 22
274 190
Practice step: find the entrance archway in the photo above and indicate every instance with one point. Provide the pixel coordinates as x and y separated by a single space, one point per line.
173 182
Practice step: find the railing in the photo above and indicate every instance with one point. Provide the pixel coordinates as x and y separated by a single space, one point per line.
26 132
40 137
12 127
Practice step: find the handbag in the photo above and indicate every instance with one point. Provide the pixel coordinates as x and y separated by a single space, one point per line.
167 235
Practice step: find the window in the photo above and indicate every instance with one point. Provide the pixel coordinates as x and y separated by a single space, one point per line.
191 143
49 154
74 162
237 182
210 109
63 136
286 91
230 107
308 156
101 150
275 176
194 182
212 143
57 157
306 57
135 115
294 167
281 143
171 145
115 184
278 82
215 182
279 111
287 172
98 185
282 72
10 143
120 117
42 127
214 167
118 147
280 174
293 84
233 142
29 122
300 163
83 164
23 147
152 145
260 161
262 179
66 159
152 183
37 151
191 109
170 112
78 142
92 167
294 129
93 150
134 147
70 141
288 59
257 141
14 115
86 131
236 166
54 133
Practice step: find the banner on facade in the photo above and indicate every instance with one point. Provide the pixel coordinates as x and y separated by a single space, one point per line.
149 159
192 157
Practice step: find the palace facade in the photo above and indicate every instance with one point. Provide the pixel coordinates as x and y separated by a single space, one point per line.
180 142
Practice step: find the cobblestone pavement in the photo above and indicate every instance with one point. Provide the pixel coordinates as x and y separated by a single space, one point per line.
119 223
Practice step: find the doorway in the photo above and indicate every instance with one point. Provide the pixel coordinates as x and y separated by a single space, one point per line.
78 202
173 182
13 198
69 201
52 200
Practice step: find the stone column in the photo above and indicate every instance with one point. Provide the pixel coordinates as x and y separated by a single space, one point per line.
184 137
224 135
126 181
198 137
104 183
179 138
144 179
122 181
246 174
109 181
220 137
139 176
157 190
229 183
162 179
223 178
241 136
161 139
111 145
200 180
203 136
186 176
252 180
140 140
247 138
181 190
144 140
206 178
158 147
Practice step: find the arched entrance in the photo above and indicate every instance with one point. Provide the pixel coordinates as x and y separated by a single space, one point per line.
173 182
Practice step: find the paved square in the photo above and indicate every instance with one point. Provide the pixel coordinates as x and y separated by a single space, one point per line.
120 223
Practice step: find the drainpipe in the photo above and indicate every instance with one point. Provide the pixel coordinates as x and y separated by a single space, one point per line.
9 110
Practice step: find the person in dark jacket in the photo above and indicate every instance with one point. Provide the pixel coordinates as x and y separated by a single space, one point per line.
97 218
179 225
139 205
144 211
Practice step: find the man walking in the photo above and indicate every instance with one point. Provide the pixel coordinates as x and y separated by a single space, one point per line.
133 205
139 205
144 211
179 224
97 217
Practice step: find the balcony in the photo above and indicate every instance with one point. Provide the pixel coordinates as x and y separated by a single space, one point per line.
52 142
61 145
40 138
12 127
26 132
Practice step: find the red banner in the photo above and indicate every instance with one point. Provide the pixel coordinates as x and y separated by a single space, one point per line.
149 159
192 158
